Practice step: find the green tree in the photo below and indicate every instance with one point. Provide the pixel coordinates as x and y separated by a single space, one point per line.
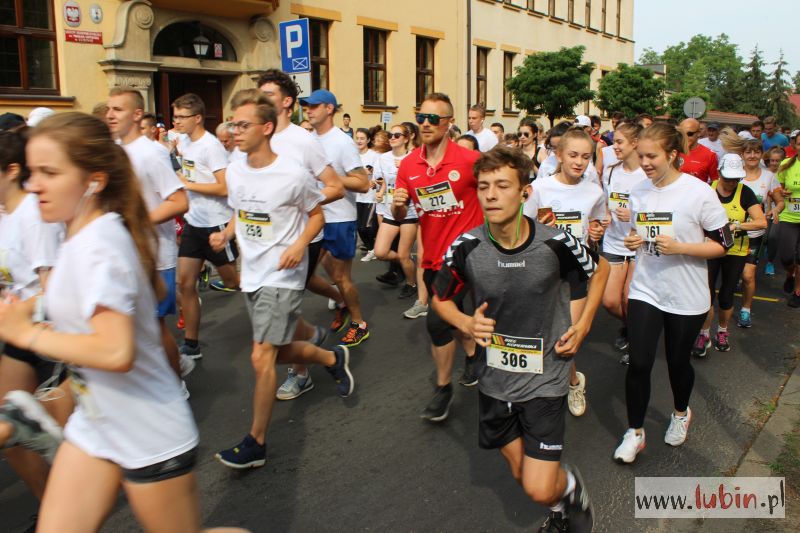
552 83
778 104
796 81
631 90
719 69
650 57
754 86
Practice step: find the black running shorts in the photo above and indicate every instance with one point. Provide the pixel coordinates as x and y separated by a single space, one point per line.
194 243
539 422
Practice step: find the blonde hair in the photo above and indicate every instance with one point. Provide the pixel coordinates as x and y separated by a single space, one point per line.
138 100
87 143
731 142
265 109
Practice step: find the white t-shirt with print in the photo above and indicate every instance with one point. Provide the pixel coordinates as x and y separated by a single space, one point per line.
368 159
387 167
271 206
27 243
343 155
136 418
618 184
486 139
763 186
573 205
201 158
154 170
676 283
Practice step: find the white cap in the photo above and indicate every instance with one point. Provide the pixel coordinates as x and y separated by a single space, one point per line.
38 115
744 134
794 134
583 120
732 167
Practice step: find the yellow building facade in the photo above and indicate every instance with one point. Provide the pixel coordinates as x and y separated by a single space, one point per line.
376 57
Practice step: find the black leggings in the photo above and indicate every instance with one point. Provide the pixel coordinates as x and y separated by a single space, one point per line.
731 267
645 323
773 234
367 223
789 244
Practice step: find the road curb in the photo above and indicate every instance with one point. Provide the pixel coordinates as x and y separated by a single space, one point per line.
769 442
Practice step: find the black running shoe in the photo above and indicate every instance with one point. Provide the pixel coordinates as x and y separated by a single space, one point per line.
625 359
390 278
439 406
578 505
407 291
469 377
554 523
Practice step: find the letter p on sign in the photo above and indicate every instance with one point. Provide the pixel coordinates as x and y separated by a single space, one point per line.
295 49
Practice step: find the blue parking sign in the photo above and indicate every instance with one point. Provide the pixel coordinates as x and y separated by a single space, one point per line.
295 48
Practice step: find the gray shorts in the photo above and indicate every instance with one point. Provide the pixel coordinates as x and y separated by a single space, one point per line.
274 313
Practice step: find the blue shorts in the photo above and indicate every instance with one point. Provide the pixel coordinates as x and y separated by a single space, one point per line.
339 238
167 306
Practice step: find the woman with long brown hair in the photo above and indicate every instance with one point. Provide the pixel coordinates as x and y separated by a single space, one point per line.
131 428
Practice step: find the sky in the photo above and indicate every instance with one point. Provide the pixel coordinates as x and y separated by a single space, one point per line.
772 25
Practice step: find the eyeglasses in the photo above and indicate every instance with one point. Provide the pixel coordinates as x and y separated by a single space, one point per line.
396 135
183 117
242 125
433 118
691 133
523 134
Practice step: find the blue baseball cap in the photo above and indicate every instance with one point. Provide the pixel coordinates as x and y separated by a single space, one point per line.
320 96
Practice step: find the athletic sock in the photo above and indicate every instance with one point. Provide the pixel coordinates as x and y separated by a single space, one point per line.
720 329
315 337
705 332
746 309
191 343
558 508
362 325
570 483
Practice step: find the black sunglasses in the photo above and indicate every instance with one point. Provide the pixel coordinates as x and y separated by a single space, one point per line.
396 135
433 118
523 134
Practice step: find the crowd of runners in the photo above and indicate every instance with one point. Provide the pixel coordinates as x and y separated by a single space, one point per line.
507 244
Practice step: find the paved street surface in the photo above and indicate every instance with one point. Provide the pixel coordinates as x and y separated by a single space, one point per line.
368 463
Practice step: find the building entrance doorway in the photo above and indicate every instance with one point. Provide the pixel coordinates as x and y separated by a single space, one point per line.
171 85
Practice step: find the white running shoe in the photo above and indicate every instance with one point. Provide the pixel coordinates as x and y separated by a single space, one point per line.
678 428
294 386
631 445
576 398
417 310
369 256
187 365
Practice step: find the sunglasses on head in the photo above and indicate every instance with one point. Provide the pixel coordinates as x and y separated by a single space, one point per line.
396 135
433 118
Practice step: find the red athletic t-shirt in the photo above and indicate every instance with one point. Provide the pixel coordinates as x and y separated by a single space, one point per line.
701 163
446 198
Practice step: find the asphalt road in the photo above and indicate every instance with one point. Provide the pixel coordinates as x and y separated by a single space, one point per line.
369 463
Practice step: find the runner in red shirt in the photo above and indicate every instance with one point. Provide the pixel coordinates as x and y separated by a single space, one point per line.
437 180
700 162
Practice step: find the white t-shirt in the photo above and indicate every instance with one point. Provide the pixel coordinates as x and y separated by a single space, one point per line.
154 170
550 164
201 158
162 148
675 283
368 159
236 155
574 206
136 418
714 146
303 147
618 184
344 157
387 167
271 206
26 244
763 186
486 139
